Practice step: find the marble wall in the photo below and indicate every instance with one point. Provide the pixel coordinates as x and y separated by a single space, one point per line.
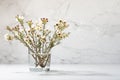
94 27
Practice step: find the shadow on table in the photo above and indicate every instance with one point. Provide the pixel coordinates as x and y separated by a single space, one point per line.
73 73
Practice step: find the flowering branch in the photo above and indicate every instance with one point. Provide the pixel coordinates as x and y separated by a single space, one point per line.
36 37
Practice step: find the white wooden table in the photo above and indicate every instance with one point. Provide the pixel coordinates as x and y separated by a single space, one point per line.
62 72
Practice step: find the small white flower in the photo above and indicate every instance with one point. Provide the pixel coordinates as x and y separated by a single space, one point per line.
19 17
8 37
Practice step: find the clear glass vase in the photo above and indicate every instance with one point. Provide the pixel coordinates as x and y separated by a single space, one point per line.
39 61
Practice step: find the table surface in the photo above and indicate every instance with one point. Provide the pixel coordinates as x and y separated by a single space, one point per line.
62 72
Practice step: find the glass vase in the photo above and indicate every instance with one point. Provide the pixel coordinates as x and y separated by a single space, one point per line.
39 61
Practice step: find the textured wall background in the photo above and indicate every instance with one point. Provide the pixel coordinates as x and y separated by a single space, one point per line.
94 26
